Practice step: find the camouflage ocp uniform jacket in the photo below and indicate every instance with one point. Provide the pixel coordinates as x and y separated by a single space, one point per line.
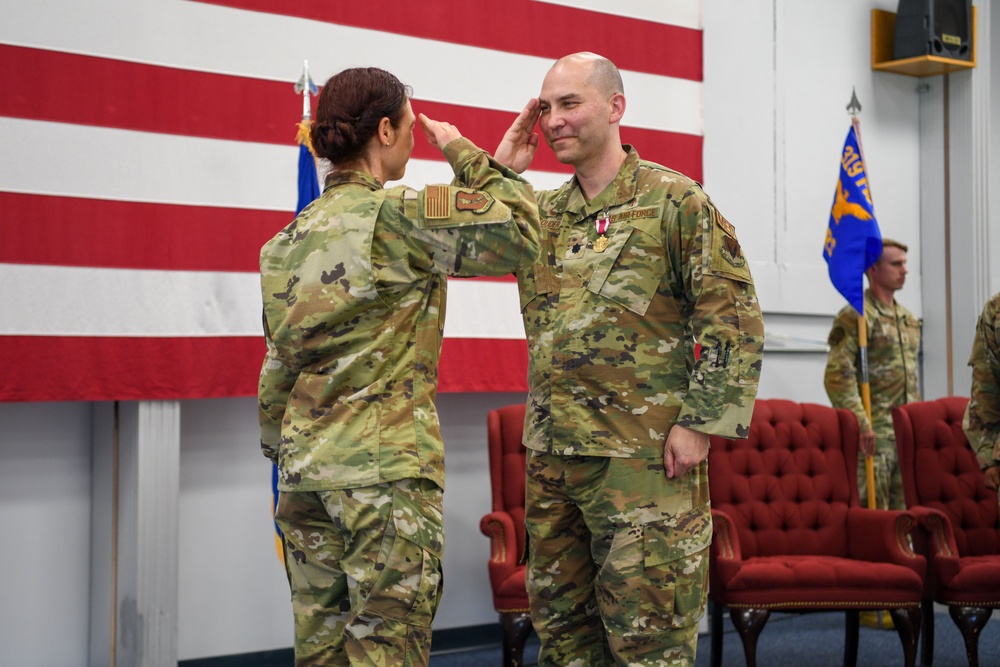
893 346
354 309
611 331
982 417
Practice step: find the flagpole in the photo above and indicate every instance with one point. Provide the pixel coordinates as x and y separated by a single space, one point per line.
866 397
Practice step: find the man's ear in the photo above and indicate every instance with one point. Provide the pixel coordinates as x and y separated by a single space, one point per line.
617 108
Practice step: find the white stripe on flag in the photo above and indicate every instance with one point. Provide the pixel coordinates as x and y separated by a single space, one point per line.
126 165
70 301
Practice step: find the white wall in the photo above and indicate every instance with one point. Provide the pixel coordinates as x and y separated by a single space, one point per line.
778 75
45 533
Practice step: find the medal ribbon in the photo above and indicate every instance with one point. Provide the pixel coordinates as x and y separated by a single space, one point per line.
602 222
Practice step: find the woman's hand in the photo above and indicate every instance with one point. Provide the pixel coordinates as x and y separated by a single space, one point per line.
438 134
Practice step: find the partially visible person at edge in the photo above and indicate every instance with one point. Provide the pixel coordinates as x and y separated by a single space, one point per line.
893 345
982 416
354 305
636 266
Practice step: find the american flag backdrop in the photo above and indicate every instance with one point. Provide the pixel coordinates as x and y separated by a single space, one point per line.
149 151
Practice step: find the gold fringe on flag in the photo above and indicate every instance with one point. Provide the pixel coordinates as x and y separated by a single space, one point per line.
302 136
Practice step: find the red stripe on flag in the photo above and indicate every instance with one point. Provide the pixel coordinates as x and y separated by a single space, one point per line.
62 368
515 26
86 90
483 364
70 231
68 368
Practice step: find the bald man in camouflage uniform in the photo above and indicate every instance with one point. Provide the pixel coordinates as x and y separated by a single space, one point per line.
354 305
636 265
982 417
893 346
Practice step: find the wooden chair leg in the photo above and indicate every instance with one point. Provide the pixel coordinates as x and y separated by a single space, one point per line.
749 623
715 632
852 626
927 633
516 628
907 622
970 620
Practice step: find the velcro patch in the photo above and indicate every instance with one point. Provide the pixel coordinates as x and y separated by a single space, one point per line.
729 248
727 255
474 201
637 213
437 202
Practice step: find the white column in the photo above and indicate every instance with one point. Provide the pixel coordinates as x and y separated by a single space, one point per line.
970 205
134 527
970 124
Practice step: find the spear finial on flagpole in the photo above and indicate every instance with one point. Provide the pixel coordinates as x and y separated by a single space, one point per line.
854 107
305 87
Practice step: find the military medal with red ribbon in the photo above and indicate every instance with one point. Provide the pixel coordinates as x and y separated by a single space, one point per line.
601 225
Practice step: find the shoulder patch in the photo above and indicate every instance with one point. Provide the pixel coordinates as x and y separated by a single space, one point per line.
437 202
727 255
476 201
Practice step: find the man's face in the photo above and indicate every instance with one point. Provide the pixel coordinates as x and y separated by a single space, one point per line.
889 272
575 116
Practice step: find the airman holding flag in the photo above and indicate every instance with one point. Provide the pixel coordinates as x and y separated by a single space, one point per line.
869 377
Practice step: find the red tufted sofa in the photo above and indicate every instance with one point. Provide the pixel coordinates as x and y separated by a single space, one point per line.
960 527
791 535
504 525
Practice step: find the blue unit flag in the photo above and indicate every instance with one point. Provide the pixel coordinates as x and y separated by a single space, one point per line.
853 241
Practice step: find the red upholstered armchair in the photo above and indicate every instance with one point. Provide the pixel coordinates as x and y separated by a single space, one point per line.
791 535
959 524
505 528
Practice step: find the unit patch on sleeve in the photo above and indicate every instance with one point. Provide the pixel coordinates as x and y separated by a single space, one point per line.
727 255
475 201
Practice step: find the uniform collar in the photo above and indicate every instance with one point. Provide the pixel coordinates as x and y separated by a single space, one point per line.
619 191
878 305
346 176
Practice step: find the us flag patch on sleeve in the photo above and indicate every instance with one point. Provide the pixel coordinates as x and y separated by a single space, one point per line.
437 202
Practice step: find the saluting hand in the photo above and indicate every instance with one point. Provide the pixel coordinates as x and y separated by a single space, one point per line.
683 450
517 148
438 134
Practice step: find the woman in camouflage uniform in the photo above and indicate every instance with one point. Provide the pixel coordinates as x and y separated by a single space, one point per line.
354 303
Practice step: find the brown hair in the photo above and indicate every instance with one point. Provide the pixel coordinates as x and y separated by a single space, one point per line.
350 107
892 243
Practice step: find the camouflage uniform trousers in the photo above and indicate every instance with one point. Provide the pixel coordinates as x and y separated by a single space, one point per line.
888 480
618 560
364 567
